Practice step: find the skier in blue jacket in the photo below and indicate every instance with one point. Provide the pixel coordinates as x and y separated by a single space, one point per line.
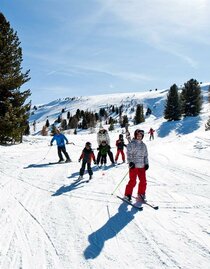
60 140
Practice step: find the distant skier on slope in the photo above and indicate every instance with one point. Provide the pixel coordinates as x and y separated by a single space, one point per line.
60 140
137 157
87 156
151 134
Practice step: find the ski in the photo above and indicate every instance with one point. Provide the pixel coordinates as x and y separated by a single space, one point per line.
155 207
78 179
51 163
140 208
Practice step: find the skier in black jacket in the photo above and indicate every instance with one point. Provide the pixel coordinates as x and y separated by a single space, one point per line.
87 156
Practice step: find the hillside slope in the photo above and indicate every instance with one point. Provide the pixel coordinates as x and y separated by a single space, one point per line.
155 100
50 220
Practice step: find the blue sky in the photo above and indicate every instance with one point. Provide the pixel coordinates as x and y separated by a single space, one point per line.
89 47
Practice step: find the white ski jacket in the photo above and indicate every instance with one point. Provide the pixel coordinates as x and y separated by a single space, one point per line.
137 153
103 135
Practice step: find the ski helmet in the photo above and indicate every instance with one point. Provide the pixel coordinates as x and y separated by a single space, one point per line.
121 136
138 131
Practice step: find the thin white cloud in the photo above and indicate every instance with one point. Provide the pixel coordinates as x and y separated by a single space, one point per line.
163 23
125 75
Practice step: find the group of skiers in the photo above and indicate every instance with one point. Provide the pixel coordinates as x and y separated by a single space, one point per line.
137 157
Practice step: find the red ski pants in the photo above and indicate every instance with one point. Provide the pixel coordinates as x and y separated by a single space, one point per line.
133 173
120 151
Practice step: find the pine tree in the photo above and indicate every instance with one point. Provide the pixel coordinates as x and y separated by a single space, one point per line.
172 108
53 130
14 113
27 130
73 122
191 98
59 119
47 124
78 114
64 124
124 121
139 117
149 111
44 130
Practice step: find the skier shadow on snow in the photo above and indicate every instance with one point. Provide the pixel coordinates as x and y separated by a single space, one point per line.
38 165
109 230
76 174
73 186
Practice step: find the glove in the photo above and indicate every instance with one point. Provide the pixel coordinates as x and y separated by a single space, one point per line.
146 166
132 165
51 144
79 160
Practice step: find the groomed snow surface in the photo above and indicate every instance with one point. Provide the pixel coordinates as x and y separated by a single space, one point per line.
50 220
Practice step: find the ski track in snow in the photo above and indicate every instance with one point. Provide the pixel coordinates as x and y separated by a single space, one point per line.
50 220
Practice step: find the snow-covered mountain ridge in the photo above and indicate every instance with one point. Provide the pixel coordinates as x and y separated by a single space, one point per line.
155 100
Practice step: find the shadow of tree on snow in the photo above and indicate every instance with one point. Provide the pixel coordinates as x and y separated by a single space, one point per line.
185 126
109 230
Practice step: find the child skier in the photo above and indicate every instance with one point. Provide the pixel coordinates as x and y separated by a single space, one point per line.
103 150
87 156
120 146
60 140
137 157
151 134
103 135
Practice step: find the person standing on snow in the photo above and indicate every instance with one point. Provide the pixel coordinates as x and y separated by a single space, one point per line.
137 157
103 135
103 150
120 148
87 156
60 140
151 134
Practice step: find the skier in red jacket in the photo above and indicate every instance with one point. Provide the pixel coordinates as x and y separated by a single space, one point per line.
120 146
151 134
